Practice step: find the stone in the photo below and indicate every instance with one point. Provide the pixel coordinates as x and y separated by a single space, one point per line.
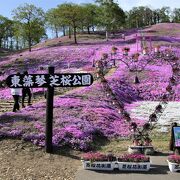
149 151
134 150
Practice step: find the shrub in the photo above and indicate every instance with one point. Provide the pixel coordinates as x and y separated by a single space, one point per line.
133 158
174 159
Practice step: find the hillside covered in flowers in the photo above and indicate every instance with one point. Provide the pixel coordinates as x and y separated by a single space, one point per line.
81 114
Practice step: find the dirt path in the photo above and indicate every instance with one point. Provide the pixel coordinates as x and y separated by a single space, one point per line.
7 105
24 161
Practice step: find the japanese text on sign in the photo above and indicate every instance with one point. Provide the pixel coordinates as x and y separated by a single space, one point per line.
48 80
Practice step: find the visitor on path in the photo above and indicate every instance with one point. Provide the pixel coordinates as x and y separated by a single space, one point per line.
26 90
16 93
123 36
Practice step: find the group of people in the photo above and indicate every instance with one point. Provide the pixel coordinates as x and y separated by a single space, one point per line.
18 92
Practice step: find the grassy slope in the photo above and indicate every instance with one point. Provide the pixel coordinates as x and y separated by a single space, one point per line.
165 34
165 29
158 30
61 41
160 141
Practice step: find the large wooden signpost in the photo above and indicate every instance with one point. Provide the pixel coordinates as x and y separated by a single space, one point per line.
49 81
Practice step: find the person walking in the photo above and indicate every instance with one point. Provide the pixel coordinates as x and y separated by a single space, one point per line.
26 91
16 93
123 36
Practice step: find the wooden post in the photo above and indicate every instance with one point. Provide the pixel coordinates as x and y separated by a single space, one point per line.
49 115
136 80
106 35
114 62
137 43
150 44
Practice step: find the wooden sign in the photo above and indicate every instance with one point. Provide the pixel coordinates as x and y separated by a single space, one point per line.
48 80
176 132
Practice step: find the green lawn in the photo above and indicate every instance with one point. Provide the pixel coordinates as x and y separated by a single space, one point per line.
160 141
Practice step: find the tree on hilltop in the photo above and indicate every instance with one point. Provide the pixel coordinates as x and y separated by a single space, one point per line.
32 21
3 23
111 16
71 15
55 21
176 15
90 13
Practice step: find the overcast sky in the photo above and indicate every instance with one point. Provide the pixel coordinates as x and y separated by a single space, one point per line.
6 6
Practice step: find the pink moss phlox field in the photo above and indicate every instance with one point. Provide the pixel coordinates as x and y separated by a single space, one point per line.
84 113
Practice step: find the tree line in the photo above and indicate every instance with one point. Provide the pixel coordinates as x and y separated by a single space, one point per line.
29 23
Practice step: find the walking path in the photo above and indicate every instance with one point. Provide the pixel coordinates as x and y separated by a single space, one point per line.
7 105
159 171
170 115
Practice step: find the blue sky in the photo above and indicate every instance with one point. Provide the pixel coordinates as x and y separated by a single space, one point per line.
6 6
